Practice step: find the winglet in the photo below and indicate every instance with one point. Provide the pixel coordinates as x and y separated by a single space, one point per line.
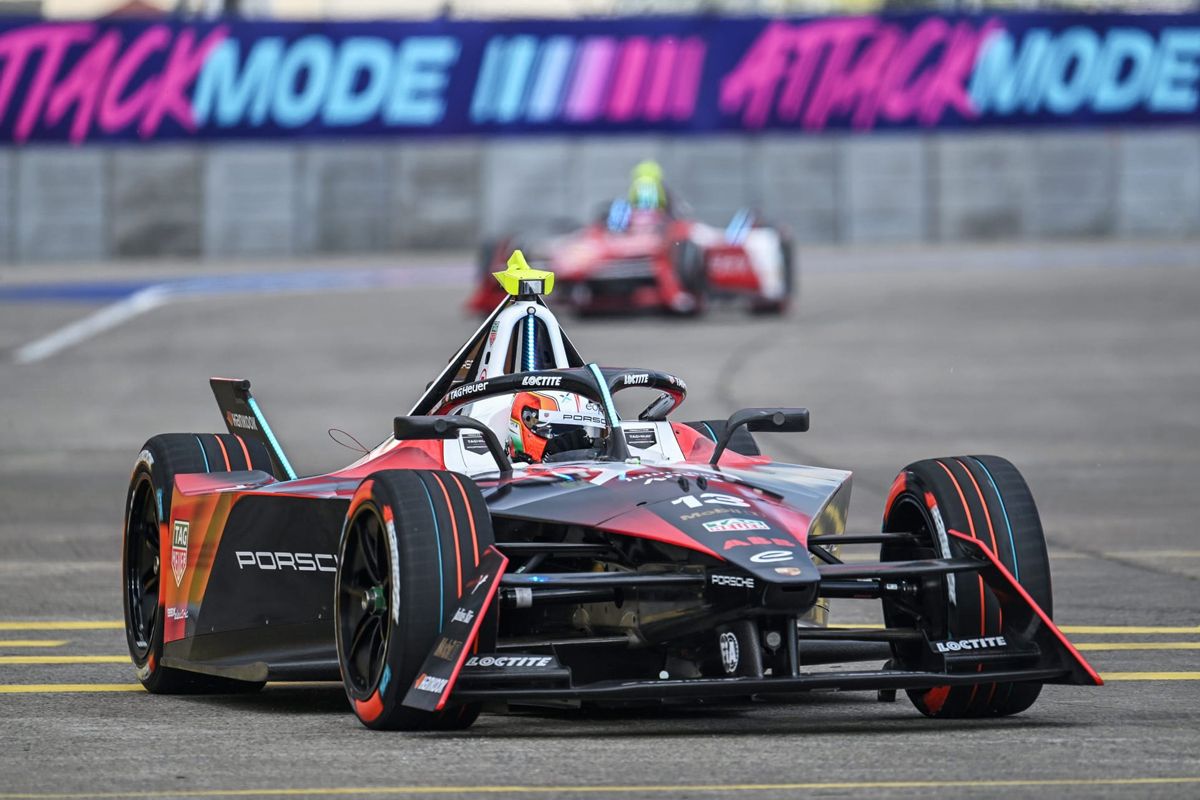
521 279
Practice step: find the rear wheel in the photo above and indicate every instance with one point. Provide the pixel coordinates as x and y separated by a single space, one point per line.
411 539
985 497
145 559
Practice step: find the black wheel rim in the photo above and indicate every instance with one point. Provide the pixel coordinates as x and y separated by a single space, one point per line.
143 567
364 603
927 612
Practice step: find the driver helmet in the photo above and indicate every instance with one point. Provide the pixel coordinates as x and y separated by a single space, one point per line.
538 417
646 190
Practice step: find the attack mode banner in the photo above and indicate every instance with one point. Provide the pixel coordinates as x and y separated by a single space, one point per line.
110 81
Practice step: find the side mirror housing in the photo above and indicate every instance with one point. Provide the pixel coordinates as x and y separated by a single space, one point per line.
761 420
448 427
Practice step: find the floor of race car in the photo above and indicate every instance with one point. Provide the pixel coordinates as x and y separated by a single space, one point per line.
1079 363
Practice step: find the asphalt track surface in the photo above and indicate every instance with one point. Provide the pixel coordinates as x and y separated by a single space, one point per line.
1079 363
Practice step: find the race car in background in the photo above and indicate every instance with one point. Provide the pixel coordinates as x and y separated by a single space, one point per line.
517 540
647 254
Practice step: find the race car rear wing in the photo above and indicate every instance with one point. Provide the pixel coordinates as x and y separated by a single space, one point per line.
243 417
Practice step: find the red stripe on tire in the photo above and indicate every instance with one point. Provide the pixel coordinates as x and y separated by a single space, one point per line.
454 530
470 516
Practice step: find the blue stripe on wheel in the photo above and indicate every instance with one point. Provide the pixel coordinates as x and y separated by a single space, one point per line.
1011 543
206 469
437 535
711 432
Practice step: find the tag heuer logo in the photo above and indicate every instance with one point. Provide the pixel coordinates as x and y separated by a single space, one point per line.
179 550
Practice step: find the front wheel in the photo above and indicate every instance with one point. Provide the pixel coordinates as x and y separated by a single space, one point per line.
985 497
410 541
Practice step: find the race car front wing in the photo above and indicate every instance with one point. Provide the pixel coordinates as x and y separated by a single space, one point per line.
1030 649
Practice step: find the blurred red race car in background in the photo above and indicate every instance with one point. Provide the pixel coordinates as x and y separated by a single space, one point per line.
636 259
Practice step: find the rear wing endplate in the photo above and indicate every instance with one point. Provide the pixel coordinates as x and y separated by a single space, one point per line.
244 418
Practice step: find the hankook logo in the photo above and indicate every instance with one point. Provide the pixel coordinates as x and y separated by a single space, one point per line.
243 421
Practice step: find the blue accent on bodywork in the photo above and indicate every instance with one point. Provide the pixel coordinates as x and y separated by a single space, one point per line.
1011 542
200 444
711 432
262 423
530 342
437 534
605 395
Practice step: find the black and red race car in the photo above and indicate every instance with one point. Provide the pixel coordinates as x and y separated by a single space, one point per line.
625 559
634 260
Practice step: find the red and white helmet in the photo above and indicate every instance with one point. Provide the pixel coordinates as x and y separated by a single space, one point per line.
538 417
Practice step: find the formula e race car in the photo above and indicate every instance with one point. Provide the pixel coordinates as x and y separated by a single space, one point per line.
516 541
653 260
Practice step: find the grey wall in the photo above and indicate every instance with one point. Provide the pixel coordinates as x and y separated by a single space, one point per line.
247 200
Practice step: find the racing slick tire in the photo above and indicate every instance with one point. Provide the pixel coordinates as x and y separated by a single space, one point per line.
985 497
687 257
410 539
787 255
147 517
741 442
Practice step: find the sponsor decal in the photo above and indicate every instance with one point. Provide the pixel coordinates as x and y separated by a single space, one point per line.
475 443
771 556
466 390
751 541
274 560
462 615
244 421
791 572
710 498
638 379
640 438
542 380
548 415
730 652
428 683
732 524
510 661
732 581
712 512
179 549
477 583
177 612
447 649
944 543
955 645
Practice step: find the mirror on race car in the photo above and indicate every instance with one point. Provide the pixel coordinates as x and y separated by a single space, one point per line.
779 420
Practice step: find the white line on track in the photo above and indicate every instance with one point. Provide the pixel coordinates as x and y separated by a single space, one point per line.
312 282
94 324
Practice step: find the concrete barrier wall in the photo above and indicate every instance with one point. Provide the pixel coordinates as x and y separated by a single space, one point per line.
235 200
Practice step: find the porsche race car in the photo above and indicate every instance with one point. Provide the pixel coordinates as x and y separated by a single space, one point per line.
632 260
516 541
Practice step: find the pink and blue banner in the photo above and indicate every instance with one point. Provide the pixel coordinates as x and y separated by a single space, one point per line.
110 81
